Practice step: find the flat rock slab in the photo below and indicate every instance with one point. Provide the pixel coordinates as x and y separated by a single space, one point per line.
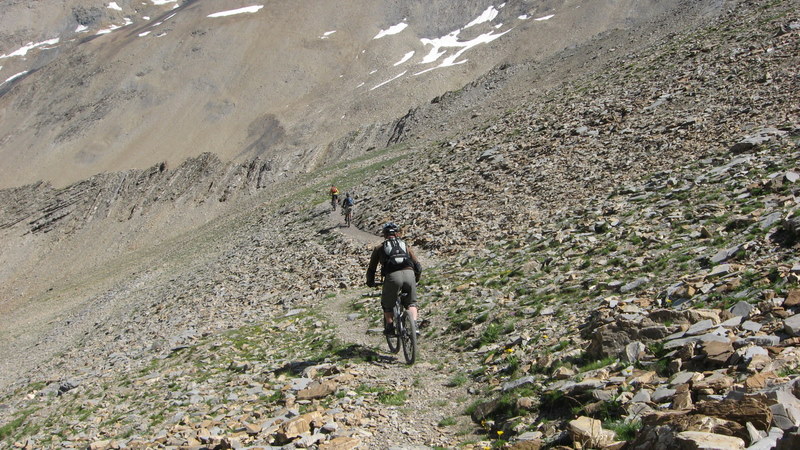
792 325
698 440
741 309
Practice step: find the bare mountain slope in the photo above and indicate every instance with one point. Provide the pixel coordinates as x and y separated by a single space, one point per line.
166 81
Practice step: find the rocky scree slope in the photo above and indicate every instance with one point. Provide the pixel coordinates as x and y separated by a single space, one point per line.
616 298
695 96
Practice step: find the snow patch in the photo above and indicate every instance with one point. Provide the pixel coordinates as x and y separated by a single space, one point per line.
246 9
440 46
114 6
545 18
107 30
13 77
113 27
24 50
487 16
391 30
405 58
388 81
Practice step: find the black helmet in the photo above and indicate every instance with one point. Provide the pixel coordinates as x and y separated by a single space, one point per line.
390 228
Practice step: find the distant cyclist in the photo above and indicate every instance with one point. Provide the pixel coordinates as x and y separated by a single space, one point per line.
334 196
347 208
401 271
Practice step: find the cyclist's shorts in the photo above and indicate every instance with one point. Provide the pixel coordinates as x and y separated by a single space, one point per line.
395 283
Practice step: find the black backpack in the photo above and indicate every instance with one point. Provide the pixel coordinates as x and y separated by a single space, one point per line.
397 257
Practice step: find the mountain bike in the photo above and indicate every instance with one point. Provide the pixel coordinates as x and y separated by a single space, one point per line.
348 215
405 332
334 201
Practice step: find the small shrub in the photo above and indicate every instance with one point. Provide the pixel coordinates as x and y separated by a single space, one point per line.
447 422
560 346
624 431
490 334
662 367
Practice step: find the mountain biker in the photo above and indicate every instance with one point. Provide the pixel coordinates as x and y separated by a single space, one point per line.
400 270
334 196
347 203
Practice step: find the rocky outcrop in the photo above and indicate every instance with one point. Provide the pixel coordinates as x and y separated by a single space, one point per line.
40 208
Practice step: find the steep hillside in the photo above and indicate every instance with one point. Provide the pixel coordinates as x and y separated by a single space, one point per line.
92 86
610 261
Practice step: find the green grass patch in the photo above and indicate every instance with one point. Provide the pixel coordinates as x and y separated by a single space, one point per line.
599 364
393 398
10 429
368 389
457 380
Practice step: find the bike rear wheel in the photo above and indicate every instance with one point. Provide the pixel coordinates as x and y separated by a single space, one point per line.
408 338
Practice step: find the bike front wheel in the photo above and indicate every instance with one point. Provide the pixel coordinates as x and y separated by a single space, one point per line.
394 340
408 338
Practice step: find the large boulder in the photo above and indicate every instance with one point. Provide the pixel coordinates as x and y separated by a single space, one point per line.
666 425
613 338
748 409
299 425
589 433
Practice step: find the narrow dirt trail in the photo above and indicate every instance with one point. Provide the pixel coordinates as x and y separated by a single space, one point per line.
431 413
336 220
